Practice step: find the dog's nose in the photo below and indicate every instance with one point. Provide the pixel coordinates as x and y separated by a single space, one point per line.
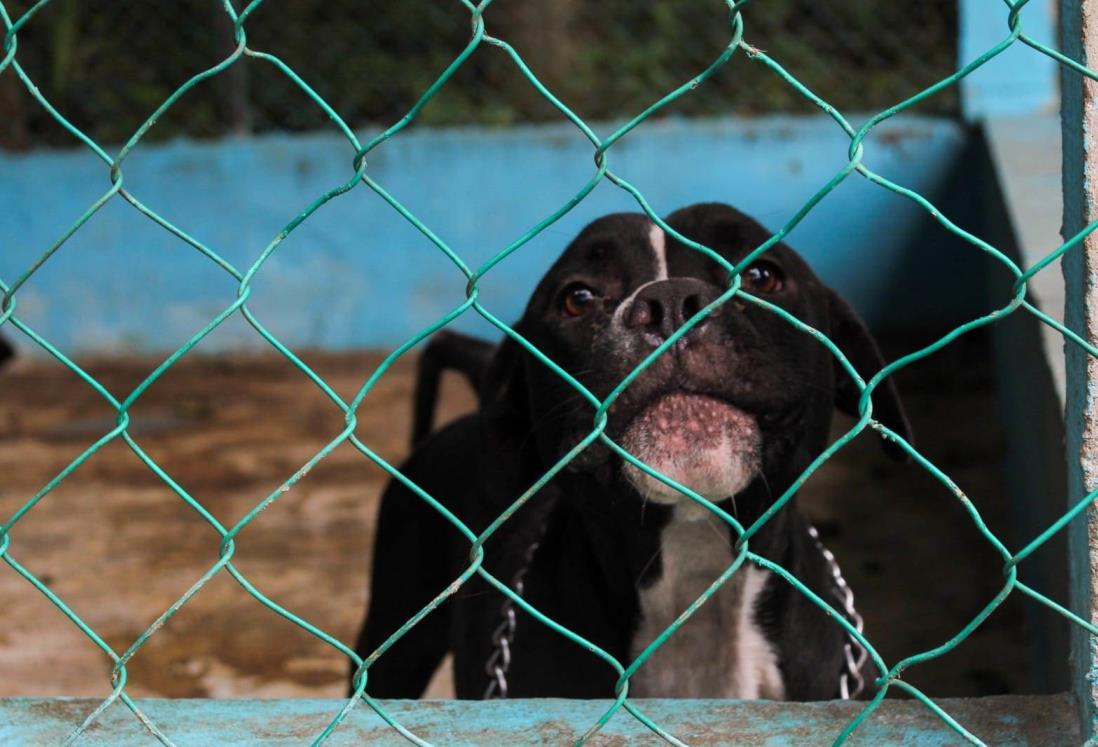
662 307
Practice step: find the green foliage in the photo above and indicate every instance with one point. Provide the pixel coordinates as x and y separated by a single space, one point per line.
106 64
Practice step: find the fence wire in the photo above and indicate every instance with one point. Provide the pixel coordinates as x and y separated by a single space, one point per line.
889 675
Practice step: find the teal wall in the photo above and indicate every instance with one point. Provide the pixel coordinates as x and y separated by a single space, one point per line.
356 274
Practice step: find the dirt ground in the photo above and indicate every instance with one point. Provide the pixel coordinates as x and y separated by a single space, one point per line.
120 547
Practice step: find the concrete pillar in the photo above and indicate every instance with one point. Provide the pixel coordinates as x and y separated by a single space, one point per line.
1079 40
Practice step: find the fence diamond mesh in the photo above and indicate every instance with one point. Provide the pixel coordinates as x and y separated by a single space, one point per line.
737 19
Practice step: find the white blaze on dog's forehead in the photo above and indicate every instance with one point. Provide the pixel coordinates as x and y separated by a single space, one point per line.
657 240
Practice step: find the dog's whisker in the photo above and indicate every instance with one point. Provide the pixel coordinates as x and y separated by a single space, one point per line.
545 421
645 567
718 528
766 487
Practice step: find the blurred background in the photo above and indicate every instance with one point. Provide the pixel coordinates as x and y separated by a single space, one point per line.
241 154
371 61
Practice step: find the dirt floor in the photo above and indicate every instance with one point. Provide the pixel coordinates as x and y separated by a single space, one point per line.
120 547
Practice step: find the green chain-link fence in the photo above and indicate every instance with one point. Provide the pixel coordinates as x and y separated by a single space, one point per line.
890 675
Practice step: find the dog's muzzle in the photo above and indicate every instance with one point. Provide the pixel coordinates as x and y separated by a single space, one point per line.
701 442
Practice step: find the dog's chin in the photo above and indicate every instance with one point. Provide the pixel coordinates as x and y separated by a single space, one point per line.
700 442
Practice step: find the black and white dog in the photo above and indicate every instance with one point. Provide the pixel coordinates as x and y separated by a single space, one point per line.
6 352
735 410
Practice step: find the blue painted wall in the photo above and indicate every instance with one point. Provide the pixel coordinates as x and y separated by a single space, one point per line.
1019 81
356 274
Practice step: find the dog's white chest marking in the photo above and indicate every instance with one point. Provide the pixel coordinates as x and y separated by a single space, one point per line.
719 652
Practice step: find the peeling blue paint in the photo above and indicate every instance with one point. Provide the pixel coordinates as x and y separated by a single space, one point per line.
1002 721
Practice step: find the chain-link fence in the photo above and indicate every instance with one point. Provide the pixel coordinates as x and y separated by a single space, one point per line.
107 64
737 53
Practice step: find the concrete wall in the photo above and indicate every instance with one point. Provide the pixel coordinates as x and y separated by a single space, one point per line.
356 274
1020 176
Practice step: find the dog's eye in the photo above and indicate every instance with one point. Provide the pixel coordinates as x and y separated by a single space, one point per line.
763 277
577 299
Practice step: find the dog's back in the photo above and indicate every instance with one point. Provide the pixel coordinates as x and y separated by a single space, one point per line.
6 351
447 351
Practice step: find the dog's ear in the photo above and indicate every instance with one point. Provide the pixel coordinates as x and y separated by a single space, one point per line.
852 337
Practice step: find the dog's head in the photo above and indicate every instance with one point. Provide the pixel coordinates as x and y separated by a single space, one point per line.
742 394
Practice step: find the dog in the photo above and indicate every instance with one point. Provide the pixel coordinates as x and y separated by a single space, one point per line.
735 410
468 356
6 352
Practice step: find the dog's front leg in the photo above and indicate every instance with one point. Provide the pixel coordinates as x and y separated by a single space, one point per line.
410 568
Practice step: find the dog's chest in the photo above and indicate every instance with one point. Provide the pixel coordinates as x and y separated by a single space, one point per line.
719 652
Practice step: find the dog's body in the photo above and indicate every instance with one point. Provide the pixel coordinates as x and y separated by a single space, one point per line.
736 410
6 352
468 356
